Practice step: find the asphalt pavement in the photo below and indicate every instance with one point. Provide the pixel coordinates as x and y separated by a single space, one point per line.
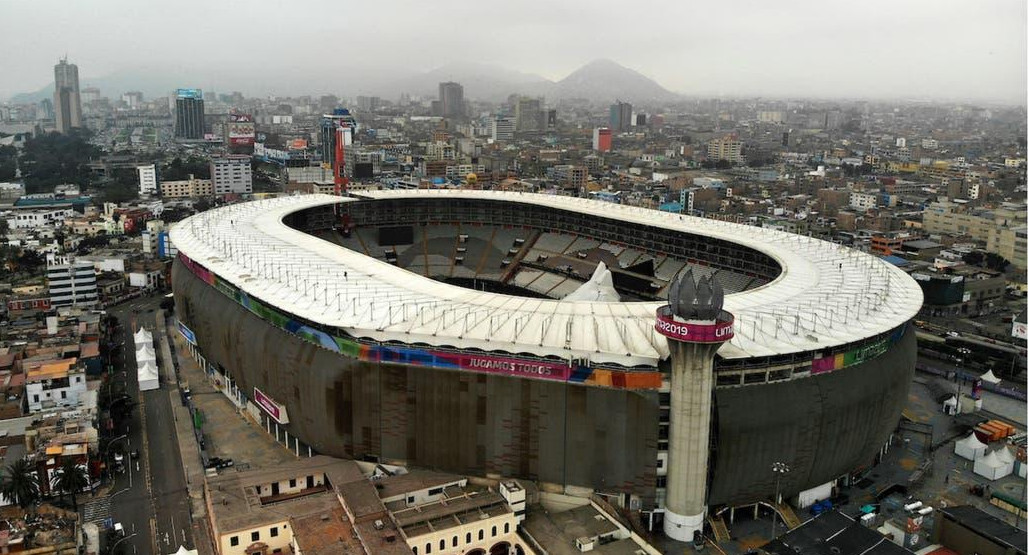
149 497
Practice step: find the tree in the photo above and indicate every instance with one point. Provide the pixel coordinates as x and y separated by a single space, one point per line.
30 260
8 162
20 484
55 158
71 479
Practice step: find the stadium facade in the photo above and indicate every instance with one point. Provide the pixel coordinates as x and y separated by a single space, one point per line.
426 328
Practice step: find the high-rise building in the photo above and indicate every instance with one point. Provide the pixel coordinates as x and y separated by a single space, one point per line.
528 114
602 139
133 99
620 116
67 102
340 117
727 148
46 109
503 129
71 282
231 174
451 100
189 114
368 103
147 179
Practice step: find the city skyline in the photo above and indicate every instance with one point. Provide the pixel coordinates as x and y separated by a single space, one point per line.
742 49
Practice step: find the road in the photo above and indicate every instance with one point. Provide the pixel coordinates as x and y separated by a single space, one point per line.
149 498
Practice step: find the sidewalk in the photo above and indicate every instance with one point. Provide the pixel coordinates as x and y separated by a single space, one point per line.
227 431
188 447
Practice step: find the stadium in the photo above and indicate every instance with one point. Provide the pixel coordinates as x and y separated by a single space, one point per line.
506 334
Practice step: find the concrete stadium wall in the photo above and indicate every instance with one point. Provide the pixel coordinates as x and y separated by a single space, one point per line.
478 424
821 427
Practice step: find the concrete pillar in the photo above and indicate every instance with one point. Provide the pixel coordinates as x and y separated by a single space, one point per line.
692 386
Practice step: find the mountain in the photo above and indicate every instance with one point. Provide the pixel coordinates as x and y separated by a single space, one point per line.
481 82
605 80
599 81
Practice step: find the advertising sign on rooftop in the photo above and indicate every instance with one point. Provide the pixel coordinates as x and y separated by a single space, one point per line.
189 93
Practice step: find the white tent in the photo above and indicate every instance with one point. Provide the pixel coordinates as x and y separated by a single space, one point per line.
183 551
1007 458
143 337
145 352
971 448
600 287
990 467
148 376
990 377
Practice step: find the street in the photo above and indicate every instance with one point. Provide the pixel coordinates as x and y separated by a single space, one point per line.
149 498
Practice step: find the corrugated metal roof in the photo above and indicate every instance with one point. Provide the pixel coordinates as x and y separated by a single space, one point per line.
827 295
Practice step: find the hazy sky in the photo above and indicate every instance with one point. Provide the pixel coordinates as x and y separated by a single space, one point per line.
973 49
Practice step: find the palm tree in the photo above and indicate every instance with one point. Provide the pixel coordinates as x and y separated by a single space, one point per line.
72 479
20 484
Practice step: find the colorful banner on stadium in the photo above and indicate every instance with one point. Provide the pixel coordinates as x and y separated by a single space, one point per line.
187 333
435 358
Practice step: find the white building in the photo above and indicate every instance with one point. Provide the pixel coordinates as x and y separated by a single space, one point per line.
35 219
440 150
151 236
863 201
503 129
147 179
71 282
231 174
11 190
57 384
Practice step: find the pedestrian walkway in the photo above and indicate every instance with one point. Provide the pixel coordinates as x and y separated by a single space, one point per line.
717 525
96 510
788 516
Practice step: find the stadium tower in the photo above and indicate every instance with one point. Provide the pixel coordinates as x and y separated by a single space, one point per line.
695 327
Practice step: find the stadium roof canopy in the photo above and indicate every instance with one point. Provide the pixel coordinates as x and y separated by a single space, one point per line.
826 295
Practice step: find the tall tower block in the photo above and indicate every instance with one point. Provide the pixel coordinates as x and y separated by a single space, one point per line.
695 327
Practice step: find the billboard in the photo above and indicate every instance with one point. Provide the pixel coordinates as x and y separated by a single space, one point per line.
240 130
189 93
274 410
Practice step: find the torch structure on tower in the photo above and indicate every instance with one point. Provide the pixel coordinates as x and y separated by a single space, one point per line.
695 325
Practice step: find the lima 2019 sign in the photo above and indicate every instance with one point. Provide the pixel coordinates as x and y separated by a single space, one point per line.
691 332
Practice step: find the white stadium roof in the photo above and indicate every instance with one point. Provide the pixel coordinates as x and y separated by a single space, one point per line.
826 295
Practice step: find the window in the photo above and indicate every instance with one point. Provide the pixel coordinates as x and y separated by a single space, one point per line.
255 536
428 548
494 531
292 483
442 545
233 541
415 549
274 531
467 538
64 394
454 542
435 491
481 534
506 527
35 398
